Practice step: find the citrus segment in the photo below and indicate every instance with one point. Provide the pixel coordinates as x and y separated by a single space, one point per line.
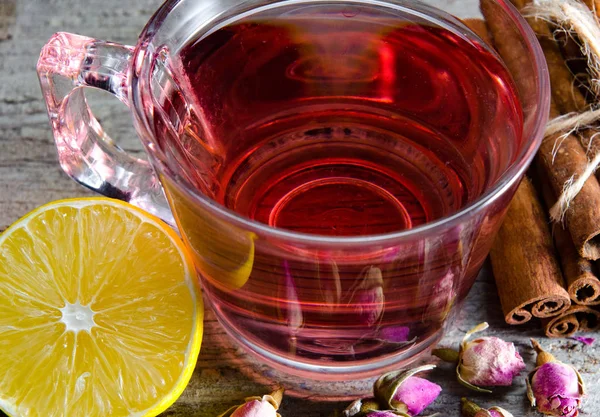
100 314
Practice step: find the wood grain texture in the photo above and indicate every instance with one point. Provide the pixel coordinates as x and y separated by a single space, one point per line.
30 176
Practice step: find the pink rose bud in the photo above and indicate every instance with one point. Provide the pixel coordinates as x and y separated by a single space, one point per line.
397 394
490 362
265 406
417 394
367 298
485 361
255 408
442 298
470 409
403 392
554 387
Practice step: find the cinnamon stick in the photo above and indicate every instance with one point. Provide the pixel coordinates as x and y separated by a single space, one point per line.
479 27
565 325
580 274
583 215
567 96
576 318
524 262
505 37
527 273
594 5
577 63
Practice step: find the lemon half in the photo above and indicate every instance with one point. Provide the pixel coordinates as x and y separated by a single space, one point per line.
100 314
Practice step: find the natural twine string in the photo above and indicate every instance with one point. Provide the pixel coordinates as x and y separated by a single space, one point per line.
573 17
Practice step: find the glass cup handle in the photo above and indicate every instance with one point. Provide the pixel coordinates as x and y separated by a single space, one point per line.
86 153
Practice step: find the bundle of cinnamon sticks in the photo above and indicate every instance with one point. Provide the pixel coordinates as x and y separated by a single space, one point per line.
543 269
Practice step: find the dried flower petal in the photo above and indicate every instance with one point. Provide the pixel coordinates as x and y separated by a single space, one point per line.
397 393
255 408
367 297
442 298
369 306
490 362
484 362
417 394
556 389
398 334
403 392
265 406
589 341
553 387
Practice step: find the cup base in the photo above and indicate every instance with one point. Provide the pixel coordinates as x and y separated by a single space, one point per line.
327 383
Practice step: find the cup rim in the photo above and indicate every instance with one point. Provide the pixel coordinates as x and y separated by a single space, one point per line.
513 174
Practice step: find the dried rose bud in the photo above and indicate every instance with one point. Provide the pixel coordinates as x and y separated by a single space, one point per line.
490 362
403 392
417 394
470 409
442 298
484 362
255 408
554 387
397 394
367 298
394 334
265 406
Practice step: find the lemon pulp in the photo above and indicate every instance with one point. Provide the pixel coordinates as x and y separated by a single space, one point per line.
100 314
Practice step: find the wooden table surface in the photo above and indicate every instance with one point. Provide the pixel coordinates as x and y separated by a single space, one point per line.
30 176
